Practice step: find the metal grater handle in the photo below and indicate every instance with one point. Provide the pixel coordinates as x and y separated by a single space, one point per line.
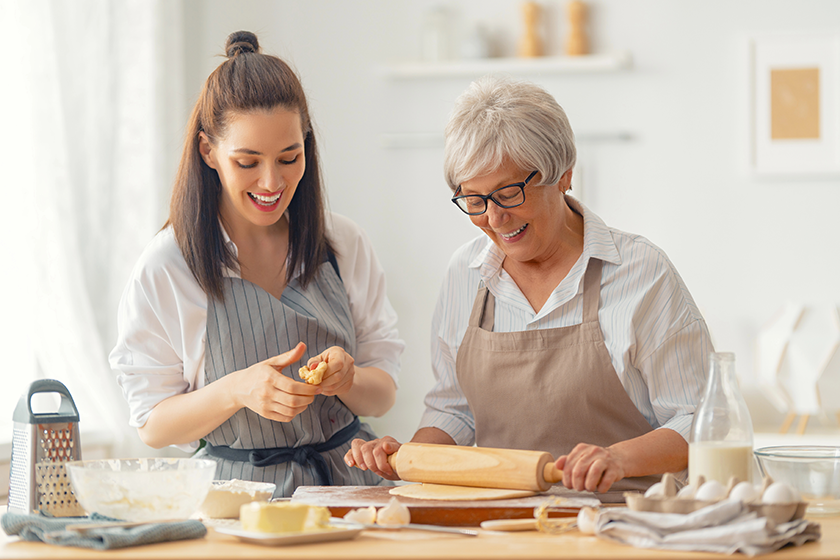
67 411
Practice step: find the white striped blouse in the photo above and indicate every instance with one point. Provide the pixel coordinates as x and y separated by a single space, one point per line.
658 341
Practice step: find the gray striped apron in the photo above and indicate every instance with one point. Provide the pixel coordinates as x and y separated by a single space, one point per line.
575 393
250 326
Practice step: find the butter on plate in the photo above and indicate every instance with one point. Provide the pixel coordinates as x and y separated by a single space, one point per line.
282 517
226 497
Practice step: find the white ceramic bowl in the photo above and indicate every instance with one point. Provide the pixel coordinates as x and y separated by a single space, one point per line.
812 469
147 489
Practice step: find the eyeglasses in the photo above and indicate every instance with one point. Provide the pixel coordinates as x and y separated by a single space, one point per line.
509 196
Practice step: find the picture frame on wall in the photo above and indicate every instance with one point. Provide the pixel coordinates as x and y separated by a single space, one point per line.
795 102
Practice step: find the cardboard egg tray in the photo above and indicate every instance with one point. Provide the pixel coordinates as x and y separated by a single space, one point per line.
669 503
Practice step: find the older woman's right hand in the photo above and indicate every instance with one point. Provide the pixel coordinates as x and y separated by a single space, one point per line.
373 456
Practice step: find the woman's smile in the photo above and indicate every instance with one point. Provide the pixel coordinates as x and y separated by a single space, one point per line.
266 202
515 235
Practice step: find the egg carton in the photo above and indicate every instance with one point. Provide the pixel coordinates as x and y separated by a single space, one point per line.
668 502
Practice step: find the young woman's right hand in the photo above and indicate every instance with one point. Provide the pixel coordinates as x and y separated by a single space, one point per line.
265 390
373 456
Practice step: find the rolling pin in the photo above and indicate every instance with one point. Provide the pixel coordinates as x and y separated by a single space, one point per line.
483 467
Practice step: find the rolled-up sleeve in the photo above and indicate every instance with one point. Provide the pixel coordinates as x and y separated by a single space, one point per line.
675 373
161 322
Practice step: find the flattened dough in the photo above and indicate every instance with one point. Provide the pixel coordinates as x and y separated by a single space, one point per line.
426 491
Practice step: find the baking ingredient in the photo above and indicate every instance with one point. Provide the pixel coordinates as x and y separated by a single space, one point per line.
711 491
428 491
745 492
313 376
226 497
280 517
721 436
394 514
586 520
780 493
317 518
656 490
720 461
365 516
686 492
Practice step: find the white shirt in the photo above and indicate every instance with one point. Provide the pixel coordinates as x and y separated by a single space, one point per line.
657 340
162 318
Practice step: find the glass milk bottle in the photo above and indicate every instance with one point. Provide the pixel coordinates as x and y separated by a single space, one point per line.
720 445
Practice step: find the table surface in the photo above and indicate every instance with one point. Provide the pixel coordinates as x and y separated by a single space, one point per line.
409 544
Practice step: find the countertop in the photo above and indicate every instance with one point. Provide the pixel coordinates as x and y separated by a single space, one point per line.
407 544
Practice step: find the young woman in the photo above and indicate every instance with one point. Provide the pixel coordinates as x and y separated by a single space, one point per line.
249 280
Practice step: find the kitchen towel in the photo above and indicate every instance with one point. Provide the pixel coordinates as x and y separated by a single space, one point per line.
51 530
725 527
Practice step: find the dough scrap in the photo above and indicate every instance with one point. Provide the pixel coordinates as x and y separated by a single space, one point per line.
427 491
393 515
365 516
313 376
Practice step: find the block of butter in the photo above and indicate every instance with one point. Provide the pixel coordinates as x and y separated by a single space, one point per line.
282 517
226 497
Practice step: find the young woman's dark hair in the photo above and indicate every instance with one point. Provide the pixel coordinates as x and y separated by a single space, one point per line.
247 81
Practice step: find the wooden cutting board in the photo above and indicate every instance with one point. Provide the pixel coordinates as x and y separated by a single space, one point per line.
341 499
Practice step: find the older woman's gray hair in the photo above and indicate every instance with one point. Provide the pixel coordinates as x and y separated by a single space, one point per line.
498 118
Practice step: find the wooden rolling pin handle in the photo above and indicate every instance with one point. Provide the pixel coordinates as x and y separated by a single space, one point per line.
552 474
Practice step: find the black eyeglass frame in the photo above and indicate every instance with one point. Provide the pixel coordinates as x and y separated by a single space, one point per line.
486 197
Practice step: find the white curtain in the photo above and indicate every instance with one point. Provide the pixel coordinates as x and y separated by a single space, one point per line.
106 89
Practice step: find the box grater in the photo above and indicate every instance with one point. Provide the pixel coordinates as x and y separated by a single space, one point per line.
41 444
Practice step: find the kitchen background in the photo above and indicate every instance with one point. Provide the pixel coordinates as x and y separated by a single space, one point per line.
662 115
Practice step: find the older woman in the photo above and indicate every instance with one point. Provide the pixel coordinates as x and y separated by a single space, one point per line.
553 331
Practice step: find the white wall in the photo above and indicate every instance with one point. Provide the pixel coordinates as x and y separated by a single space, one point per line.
743 246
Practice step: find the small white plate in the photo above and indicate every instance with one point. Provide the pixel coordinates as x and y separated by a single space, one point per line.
333 532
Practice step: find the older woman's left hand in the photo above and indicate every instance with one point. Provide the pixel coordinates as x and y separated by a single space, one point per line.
591 468
340 370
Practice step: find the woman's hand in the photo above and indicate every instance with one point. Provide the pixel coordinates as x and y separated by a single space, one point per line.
265 390
591 468
341 371
373 456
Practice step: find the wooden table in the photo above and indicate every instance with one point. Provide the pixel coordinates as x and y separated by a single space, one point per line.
407 544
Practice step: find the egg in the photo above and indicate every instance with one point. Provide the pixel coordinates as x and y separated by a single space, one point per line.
686 492
711 491
780 493
657 490
586 520
745 492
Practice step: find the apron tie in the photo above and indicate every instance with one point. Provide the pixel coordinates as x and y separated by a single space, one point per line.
304 455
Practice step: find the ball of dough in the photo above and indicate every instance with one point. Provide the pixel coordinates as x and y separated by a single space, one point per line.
313 376
394 514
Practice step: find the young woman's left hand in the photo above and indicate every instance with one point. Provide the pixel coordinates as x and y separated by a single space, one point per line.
340 370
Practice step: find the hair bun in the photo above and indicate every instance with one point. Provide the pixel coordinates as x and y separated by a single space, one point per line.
240 42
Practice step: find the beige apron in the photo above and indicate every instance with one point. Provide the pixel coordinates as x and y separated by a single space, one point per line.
549 389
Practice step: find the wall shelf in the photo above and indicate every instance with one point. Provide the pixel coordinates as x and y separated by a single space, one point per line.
592 63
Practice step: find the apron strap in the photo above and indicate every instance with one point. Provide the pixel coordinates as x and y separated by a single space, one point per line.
305 455
483 311
592 290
